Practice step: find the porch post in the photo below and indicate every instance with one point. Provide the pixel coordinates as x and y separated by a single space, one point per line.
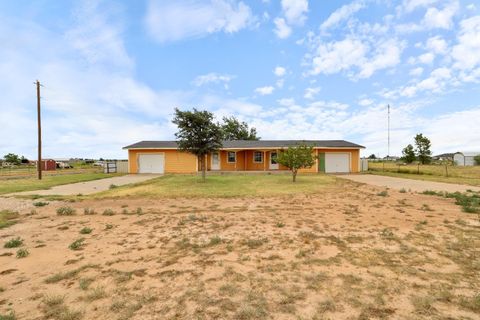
235 160
264 160
245 160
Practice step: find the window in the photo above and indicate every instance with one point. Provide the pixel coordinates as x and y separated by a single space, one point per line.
258 156
231 157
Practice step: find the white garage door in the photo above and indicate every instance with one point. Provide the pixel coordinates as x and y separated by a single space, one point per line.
151 163
337 162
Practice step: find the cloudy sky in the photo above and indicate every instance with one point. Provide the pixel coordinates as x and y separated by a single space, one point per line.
294 69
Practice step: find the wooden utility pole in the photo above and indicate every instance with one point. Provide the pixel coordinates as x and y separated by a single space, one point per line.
39 163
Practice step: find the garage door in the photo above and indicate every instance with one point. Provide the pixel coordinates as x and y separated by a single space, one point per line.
337 162
151 163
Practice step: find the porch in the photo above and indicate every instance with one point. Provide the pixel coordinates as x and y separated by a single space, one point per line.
243 161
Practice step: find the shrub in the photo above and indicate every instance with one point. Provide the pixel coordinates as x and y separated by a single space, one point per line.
77 244
66 211
88 211
108 212
8 316
13 243
112 186
384 193
7 218
40 204
86 230
22 253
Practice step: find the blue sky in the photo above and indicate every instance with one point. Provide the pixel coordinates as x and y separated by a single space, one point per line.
294 69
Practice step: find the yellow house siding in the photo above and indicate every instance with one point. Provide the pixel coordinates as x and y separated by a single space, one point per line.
175 161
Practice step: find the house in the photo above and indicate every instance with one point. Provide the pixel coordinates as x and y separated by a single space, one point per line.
465 158
334 156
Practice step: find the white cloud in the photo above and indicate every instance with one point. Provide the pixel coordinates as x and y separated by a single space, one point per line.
295 11
416 72
280 71
466 52
333 57
286 102
310 93
365 102
411 5
282 30
342 14
437 44
426 58
441 18
267 90
182 19
471 6
280 82
212 78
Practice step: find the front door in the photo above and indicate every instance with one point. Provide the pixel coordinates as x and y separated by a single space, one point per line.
215 161
273 160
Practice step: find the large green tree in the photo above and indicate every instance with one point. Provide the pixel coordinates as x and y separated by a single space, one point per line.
197 134
12 158
233 129
408 154
422 149
297 157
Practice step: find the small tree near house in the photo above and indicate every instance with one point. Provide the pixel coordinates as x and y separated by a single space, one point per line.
197 134
408 154
423 145
295 158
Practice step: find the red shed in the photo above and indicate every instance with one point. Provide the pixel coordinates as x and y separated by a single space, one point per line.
48 164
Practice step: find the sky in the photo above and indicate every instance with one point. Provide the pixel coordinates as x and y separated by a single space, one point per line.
113 72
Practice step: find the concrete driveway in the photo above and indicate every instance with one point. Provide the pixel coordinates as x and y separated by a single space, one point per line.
90 187
407 184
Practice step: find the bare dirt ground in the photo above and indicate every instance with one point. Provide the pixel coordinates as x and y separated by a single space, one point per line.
90 187
408 184
351 252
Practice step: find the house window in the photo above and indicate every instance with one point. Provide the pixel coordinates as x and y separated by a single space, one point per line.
231 157
258 156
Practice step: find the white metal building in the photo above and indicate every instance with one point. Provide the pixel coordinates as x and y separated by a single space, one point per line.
465 158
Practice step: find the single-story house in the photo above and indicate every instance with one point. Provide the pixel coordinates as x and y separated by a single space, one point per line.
465 158
334 156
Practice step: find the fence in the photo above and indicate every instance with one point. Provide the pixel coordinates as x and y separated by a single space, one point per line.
119 166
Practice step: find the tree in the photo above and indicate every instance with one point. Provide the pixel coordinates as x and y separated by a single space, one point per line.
197 134
408 154
24 160
476 159
297 157
423 145
372 156
12 158
233 129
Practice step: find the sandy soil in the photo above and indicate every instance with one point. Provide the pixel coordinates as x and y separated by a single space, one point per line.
348 253
408 184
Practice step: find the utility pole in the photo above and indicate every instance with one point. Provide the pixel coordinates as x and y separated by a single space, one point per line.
388 153
39 163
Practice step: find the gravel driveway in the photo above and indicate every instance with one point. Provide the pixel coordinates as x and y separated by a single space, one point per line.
407 184
90 187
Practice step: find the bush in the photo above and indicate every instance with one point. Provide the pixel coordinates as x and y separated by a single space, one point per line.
13 243
77 244
86 230
476 159
40 204
22 253
65 211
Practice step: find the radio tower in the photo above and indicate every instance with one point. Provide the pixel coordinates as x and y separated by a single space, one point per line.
388 153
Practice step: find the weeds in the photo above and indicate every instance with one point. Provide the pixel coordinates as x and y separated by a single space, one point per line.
40 203
108 212
13 243
7 218
89 211
77 244
112 186
86 230
54 308
84 283
66 211
8 316
383 193
22 253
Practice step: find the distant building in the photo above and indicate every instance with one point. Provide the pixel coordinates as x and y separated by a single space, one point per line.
465 158
444 156
47 164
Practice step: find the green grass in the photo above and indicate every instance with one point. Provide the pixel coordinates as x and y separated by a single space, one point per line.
222 186
460 175
7 218
19 184
469 201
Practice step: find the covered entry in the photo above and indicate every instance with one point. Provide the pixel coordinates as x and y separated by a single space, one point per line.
151 163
